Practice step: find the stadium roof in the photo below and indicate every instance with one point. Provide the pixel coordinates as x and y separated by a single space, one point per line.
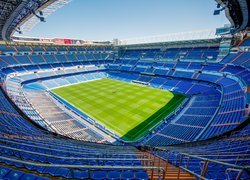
237 12
14 13
27 13
168 38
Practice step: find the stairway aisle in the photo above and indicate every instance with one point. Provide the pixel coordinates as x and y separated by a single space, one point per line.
172 172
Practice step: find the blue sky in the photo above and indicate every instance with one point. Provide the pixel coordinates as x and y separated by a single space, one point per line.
108 19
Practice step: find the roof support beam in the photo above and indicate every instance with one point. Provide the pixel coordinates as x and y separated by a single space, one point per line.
12 17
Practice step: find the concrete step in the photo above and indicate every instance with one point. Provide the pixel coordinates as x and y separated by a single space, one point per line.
172 172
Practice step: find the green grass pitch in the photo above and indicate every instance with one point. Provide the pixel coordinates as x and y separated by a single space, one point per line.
127 109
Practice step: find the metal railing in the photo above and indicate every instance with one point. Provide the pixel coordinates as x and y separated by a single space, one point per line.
76 152
197 165
159 170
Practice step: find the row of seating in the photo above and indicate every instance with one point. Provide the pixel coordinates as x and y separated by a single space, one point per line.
226 157
24 60
12 48
200 53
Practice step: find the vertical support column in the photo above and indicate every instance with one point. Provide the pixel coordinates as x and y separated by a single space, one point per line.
204 169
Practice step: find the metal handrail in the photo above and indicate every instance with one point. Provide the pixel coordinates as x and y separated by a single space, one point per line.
143 158
215 161
80 153
70 140
223 155
161 170
211 152
178 162
207 159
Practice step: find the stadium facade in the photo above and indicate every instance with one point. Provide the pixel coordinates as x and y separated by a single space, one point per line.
50 129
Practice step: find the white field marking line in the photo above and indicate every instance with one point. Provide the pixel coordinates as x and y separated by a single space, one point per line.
89 125
58 87
79 89
98 121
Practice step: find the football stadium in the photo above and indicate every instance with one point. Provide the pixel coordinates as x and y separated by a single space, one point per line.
174 106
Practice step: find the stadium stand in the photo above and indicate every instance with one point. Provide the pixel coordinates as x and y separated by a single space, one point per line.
232 149
44 137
